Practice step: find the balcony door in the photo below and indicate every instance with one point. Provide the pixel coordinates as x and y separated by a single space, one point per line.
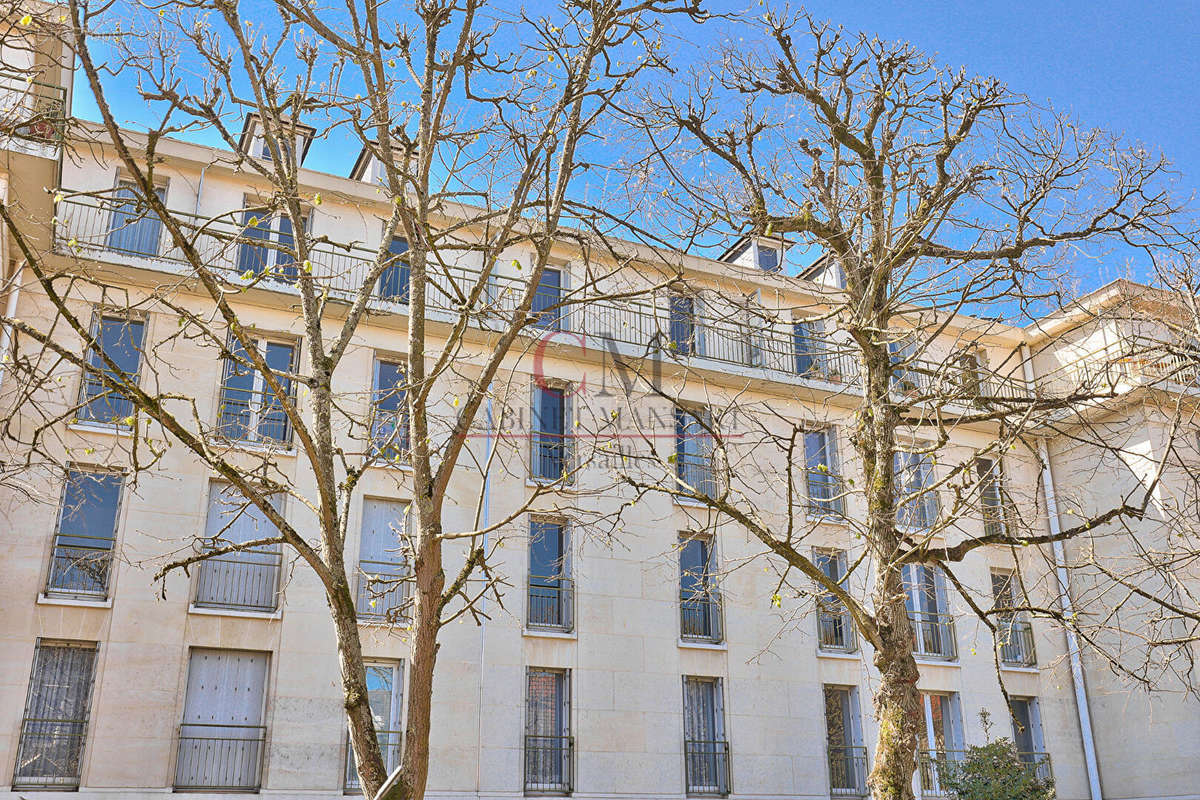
548 731
222 734
843 733
705 749
133 228
549 575
247 580
942 738
384 695
928 608
699 602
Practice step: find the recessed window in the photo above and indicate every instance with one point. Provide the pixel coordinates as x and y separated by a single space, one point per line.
548 740
57 706
250 410
81 562
120 339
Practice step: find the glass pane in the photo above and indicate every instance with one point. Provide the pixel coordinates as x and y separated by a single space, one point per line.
547 548
253 258
121 340
133 229
547 295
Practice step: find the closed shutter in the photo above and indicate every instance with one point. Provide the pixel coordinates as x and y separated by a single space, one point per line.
221 738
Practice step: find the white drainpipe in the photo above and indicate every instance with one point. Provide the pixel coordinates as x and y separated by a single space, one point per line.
485 520
1065 605
14 291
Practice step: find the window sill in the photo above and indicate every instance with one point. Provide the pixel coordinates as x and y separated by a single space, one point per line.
535 633
205 611
692 644
404 623
547 483
839 655
259 449
107 428
78 602
930 661
1015 668
688 502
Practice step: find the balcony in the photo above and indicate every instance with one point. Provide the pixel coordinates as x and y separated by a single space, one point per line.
79 566
548 764
551 603
933 767
835 629
706 767
32 110
1016 644
382 591
848 771
550 453
934 635
695 473
241 581
1128 362
826 494
700 617
391 744
48 756
223 758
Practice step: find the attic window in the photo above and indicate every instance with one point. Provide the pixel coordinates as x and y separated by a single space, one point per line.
768 257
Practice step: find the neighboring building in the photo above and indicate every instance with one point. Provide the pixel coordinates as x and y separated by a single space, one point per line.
640 669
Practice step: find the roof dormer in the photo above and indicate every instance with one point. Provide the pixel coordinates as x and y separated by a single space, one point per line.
758 252
253 143
367 167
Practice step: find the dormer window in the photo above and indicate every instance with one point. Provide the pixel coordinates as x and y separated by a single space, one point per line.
767 257
253 141
756 252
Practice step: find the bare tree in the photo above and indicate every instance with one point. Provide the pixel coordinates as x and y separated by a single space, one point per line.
478 123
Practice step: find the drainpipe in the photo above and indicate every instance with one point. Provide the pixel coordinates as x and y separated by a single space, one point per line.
1066 606
485 519
14 291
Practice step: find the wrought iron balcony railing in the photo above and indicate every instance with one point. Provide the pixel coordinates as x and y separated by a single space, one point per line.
706 767
48 755
246 415
696 473
79 566
932 765
220 757
1016 644
700 617
551 602
1039 763
835 629
549 762
934 635
32 109
242 581
847 771
382 591
551 456
826 492
391 744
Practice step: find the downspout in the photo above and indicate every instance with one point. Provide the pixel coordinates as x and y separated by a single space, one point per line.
485 520
14 291
1078 683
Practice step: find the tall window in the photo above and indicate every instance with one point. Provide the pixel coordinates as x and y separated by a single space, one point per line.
395 280
693 451
549 441
991 496
548 742
928 609
824 482
844 740
681 312
57 705
941 739
222 734
808 347
246 580
835 629
269 246
249 411
699 597
1027 735
918 506
385 683
381 564
119 338
904 377
547 313
132 228
87 525
970 377
389 412
705 749
1014 632
550 586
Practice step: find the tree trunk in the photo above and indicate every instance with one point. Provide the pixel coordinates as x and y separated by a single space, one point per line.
897 702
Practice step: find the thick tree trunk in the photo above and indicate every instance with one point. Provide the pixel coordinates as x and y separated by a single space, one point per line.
897 702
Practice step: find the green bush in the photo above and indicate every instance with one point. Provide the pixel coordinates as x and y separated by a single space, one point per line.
994 771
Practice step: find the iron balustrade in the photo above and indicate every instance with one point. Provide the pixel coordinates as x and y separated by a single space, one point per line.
382 591
706 766
835 629
32 109
250 415
933 766
1016 643
80 565
49 753
102 405
551 601
549 762
1038 764
700 617
826 494
550 453
847 771
391 745
934 635
695 473
219 757
247 580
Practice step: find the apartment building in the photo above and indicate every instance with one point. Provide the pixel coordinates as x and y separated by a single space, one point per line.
647 666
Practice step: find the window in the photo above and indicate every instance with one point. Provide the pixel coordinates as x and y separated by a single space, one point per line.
547 313
699 597
54 728
549 442
844 739
904 378
396 279
835 629
132 228
808 348
222 734
268 246
918 506
119 338
928 610
382 592
1013 632
87 527
824 482
681 318
767 257
1027 735
693 451
246 580
970 377
941 738
389 412
249 410
385 683
548 742
705 749
991 496
550 586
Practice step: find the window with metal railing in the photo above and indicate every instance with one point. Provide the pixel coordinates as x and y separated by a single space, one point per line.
547 309
267 246
1014 634
81 560
549 745
57 706
928 612
694 451
249 409
1028 739
700 617
835 628
385 684
808 345
382 567
247 578
395 281
941 739
682 328
389 412
550 444
844 742
917 500
120 339
133 228
823 481
551 590
993 506
705 748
